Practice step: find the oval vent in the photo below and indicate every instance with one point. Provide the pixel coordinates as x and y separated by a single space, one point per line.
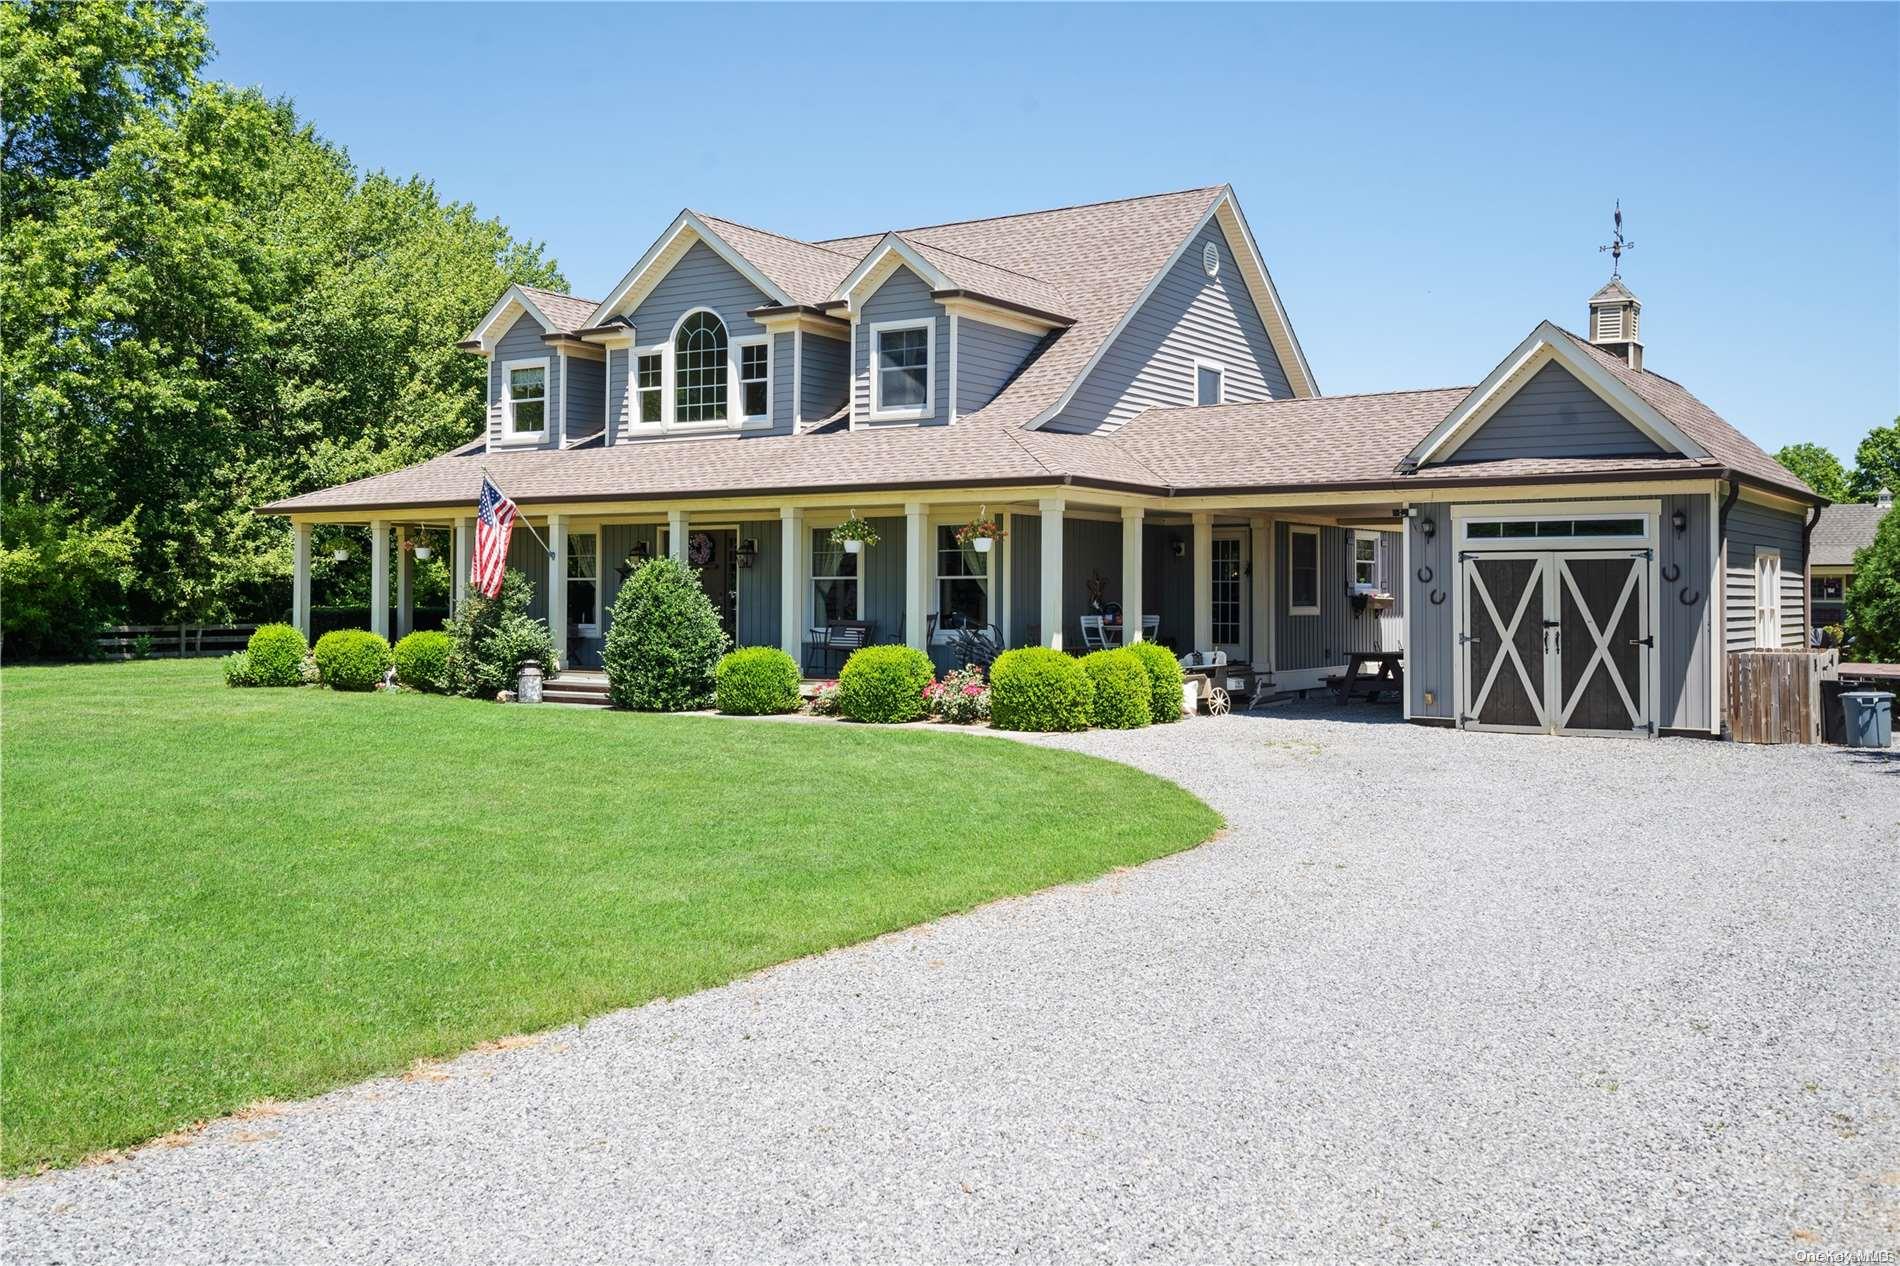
1210 259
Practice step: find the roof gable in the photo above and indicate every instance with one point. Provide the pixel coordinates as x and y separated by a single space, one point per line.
687 229
553 311
1548 345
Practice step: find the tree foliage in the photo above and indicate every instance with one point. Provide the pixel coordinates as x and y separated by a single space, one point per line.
1818 468
1873 597
1877 462
205 306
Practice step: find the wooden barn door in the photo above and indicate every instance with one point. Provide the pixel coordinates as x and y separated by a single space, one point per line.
1506 681
1604 643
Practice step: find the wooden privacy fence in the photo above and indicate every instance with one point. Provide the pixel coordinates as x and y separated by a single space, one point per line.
1775 696
128 641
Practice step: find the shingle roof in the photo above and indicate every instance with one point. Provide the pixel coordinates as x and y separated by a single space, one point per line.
1841 530
567 312
806 272
989 280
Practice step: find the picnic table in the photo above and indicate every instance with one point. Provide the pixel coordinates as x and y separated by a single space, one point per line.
1391 675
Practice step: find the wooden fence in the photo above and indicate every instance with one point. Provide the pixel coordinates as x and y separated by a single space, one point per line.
1776 697
130 641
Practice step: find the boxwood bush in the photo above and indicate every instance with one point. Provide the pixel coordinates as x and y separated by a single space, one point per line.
276 654
1037 688
756 681
237 669
1121 700
1164 681
885 684
352 659
665 640
494 637
422 661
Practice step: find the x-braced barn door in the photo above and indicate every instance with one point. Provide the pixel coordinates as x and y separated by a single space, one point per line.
1556 642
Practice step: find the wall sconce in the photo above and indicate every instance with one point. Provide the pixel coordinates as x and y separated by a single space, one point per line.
1679 521
748 552
640 553
1428 528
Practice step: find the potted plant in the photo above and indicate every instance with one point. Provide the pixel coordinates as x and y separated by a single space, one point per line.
982 532
854 534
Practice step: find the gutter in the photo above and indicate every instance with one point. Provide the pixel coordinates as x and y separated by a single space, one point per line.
1051 317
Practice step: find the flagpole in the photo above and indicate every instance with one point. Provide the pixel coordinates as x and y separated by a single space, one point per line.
521 519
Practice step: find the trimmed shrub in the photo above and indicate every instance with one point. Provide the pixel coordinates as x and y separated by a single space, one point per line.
277 652
1040 689
885 685
1122 696
494 637
352 659
237 669
665 641
422 661
1165 680
756 681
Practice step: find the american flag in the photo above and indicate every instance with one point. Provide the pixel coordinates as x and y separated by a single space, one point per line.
494 524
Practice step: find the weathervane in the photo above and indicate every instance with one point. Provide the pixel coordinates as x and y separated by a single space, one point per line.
1617 247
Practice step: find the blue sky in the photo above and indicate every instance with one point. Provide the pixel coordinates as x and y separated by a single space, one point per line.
1426 182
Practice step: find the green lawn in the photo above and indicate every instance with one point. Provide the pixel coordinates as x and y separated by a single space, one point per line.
215 896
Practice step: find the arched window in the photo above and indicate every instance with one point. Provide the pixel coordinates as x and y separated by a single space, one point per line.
699 369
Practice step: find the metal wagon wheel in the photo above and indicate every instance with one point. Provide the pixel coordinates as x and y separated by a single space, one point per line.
1218 703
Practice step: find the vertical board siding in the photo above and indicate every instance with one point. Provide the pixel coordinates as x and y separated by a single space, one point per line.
1314 641
1751 526
1025 579
988 356
700 280
903 297
881 576
1429 637
1150 363
526 556
521 342
1555 415
783 358
616 542
586 399
1089 547
824 382
1683 637
618 360
1167 583
759 585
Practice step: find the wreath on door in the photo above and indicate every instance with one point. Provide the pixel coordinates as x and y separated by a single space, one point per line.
699 549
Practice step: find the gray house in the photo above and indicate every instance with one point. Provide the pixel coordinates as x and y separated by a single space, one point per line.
1841 532
1573 545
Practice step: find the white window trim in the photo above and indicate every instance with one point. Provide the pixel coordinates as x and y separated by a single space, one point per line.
1375 585
1195 365
634 422
508 433
736 393
943 636
599 598
928 410
812 577
1768 605
1319 569
669 380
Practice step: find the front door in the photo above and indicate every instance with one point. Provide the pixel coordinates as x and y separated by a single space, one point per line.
1228 559
714 554
1556 642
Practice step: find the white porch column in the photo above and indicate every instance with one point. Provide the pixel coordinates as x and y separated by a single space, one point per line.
1260 558
300 577
917 572
676 534
405 585
1052 508
1132 517
793 551
1002 575
464 558
379 577
557 587
1203 582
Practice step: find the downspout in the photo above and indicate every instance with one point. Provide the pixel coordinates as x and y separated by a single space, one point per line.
1807 571
1721 591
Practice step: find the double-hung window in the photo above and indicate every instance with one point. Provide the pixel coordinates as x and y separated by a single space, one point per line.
583 577
1767 597
963 583
834 580
700 370
1302 570
525 384
1365 561
755 378
648 384
902 384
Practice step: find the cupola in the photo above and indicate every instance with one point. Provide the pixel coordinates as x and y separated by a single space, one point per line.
1615 316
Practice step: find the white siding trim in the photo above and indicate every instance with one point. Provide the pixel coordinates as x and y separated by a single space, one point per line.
679 237
953 367
511 438
1195 365
1319 569
928 410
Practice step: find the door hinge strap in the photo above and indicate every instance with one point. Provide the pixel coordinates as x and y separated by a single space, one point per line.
1649 641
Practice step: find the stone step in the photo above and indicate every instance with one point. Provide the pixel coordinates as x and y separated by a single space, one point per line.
588 690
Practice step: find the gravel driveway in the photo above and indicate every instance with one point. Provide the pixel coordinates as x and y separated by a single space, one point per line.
1434 996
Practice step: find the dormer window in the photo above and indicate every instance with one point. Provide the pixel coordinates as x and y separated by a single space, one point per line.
527 398
901 384
700 370
649 385
755 378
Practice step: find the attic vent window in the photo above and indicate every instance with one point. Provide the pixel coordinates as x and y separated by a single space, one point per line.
1210 259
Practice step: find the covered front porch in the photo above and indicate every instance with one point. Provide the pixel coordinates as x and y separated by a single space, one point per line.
1291 590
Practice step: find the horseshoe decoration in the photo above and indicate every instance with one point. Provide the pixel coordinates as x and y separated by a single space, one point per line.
1688 597
1425 575
1671 573
1438 597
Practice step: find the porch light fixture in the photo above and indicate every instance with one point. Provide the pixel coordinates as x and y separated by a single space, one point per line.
748 552
1428 528
640 552
1679 521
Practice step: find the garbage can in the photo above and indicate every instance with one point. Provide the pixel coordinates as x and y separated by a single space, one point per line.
1869 717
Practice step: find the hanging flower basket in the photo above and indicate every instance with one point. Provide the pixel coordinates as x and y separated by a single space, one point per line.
854 534
423 553
981 533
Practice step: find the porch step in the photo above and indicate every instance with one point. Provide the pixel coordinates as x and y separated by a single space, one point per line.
590 690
